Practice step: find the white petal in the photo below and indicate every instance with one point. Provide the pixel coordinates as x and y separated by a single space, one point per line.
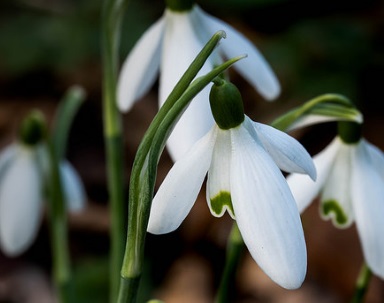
266 212
181 46
218 184
336 197
20 203
286 151
302 187
6 156
179 190
139 70
73 187
368 203
254 68
377 157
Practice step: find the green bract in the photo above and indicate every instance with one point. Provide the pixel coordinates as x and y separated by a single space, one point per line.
226 104
179 5
349 132
32 129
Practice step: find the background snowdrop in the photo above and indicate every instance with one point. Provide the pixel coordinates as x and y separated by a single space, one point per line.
170 45
351 188
24 171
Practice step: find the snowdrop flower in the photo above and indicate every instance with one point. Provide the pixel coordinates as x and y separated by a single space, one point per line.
350 183
170 45
242 159
23 171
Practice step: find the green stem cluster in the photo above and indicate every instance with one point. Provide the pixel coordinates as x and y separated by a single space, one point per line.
111 23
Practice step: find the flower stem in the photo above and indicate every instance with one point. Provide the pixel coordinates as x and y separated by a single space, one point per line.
362 284
234 251
56 145
111 21
65 114
59 231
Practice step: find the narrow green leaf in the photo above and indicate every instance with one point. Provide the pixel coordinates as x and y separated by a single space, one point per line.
68 107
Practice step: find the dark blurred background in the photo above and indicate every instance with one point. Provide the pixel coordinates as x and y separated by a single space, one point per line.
315 47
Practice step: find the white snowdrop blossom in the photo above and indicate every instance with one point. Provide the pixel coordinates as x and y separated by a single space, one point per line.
350 182
22 180
244 179
170 45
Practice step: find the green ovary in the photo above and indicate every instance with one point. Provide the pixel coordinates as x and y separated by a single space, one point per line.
220 201
331 206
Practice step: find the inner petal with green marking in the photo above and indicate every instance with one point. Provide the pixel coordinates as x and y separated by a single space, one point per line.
221 202
332 209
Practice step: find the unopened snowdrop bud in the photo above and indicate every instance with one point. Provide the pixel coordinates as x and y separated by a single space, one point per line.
226 104
349 132
180 5
32 128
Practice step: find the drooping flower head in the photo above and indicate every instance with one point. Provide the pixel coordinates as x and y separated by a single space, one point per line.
243 160
350 183
170 45
23 173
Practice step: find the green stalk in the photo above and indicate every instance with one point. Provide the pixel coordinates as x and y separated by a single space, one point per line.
235 249
56 147
362 284
111 23
65 113
145 166
59 230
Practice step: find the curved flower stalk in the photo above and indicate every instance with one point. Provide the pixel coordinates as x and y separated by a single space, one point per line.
170 45
242 159
22 183
350 183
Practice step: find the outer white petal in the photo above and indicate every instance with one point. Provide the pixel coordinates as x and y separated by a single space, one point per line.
219 173
20 203
286 151
254 68
302 187
73 187
266 212
377 157
139 70
368 203
6 157
337 187
179 190
181 46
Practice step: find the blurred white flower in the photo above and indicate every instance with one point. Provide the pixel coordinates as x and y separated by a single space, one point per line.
170 45
243 178
350 180
22 181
